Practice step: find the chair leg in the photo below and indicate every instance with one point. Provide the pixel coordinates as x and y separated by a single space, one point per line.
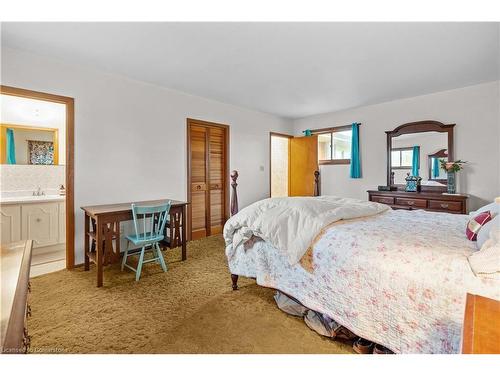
124 260
160 257
139 265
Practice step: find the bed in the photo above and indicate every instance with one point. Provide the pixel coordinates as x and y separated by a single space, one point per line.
395 277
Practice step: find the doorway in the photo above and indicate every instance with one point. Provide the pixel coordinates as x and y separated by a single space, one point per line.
207 178
51 221
280 166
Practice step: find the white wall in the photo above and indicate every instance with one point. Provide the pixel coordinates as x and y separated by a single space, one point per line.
474 110
38 113
130 137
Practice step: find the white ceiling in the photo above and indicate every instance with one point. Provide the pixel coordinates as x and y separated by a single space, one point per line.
288 69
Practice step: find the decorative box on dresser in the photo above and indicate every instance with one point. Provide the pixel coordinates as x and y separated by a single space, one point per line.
429 201
15 265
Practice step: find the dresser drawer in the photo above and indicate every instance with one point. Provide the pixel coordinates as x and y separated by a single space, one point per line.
382 199
410 202
445 205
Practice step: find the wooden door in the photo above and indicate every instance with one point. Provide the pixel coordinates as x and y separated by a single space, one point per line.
303 163
198 182
208 172
217 184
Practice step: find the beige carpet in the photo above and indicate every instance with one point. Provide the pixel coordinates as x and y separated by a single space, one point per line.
189 309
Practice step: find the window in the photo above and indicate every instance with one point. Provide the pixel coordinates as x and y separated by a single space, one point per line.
402 158
334 145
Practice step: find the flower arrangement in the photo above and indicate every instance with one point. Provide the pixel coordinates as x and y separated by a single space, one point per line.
452 166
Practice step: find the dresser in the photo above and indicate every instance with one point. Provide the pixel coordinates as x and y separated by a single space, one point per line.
429 201
481 331
15 261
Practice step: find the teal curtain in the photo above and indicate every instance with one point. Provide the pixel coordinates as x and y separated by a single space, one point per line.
355 159
11 148
435 167
415 165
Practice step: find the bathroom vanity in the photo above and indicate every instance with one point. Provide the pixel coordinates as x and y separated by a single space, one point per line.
37 218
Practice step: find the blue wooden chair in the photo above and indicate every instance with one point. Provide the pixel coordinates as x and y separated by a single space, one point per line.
154 219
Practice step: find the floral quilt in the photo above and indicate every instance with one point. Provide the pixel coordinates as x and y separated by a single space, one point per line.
399 278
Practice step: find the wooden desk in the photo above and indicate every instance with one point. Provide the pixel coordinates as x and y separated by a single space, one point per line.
105 222
481 333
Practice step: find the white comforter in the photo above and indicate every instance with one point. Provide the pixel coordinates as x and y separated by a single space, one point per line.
399 278
291 224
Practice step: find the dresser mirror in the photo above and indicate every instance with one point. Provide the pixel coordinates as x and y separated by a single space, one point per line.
417 149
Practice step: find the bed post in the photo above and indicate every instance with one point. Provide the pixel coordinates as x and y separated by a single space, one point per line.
234 211
234 194
316 184
234 281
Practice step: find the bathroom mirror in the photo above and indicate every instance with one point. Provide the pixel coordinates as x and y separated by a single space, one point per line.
28 145
417 149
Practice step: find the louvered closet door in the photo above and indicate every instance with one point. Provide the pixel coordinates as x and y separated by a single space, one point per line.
216 177
207 178
199 196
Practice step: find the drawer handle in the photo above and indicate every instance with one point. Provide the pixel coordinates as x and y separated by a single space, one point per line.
410 203
26 340
444 205
38 220
198 187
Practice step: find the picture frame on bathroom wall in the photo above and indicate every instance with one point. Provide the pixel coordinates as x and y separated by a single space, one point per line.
40 152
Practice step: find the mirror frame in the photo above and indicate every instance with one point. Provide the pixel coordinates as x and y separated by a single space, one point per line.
440 154
419 127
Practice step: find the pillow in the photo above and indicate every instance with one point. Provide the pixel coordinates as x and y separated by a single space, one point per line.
475 224
484 233
486 262
494 208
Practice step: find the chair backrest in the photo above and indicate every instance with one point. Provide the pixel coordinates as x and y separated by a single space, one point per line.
156 216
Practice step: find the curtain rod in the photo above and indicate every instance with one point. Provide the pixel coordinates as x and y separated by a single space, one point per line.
333 128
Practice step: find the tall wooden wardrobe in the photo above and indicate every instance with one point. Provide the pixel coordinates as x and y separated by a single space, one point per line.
208 177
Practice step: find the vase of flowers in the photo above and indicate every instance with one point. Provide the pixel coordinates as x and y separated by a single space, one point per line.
451 168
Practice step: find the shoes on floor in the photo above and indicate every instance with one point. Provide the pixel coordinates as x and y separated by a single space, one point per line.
362 346
379 349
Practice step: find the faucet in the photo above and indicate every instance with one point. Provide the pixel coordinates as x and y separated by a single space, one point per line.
38 192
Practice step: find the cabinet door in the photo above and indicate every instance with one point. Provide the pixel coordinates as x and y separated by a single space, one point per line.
40 223
10 222
62 222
